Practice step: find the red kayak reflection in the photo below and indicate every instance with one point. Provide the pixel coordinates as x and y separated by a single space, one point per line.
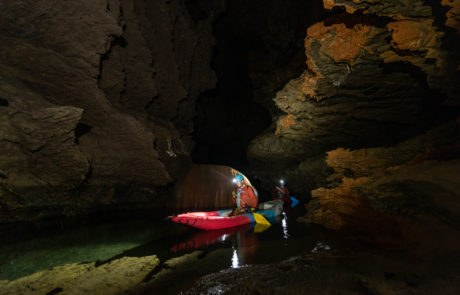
202 239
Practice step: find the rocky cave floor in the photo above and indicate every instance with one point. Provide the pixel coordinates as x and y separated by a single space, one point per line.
330 272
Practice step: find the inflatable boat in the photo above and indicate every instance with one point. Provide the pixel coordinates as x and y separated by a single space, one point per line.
213 220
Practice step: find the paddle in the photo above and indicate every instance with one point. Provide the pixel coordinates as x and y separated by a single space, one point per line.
260 219
258 228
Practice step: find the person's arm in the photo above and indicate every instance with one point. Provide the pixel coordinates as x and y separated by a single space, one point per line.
233 197
286 191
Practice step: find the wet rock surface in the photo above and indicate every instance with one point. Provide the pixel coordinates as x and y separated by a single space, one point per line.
332 273
115 277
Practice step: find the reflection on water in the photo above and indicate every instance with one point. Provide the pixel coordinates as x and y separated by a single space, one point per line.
84 244
175 246
320 246
285 226
235 260
202 239
224 237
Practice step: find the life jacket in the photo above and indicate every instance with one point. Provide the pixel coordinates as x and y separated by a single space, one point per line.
245 197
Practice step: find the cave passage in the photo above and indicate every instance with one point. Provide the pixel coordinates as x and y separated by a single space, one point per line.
260 46
118 116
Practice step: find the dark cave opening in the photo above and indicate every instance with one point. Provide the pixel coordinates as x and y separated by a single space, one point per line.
4 102
260 46
80 130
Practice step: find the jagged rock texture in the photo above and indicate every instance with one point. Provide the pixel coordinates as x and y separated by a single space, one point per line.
96 102
378 73
414 179
259 48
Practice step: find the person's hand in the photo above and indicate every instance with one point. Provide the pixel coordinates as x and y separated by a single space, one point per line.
234 194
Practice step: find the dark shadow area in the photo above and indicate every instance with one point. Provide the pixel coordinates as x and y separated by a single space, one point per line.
80 130
4 102
338 15
260 47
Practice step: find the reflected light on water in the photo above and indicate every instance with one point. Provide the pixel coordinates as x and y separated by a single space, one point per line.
320 246
284 225
235 260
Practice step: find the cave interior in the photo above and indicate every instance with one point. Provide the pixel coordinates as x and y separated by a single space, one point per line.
115 108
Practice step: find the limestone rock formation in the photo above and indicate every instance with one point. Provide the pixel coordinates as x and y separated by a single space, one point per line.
386 189
453 14
376 75
259 48
96 102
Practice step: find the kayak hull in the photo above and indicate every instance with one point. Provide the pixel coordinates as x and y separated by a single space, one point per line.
213 220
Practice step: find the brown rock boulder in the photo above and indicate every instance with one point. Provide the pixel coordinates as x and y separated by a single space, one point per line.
96 102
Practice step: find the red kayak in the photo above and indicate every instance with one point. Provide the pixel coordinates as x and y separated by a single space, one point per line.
214 220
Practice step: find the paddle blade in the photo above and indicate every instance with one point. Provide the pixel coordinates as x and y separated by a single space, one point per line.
260 219
258 228
294 201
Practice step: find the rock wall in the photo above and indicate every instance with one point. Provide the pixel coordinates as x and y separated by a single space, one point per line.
378 74
96 102
386 189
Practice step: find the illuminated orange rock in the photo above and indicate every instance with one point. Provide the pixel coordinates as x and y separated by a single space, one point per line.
311 78
285 122
359 161
420 40
339 42
413 35
373 74
309 85
379 187
337 203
